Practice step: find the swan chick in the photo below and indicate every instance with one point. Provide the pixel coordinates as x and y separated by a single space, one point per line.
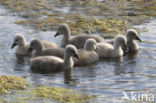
112 51
38 48
78 41
131 36
22 46
88 54
52 63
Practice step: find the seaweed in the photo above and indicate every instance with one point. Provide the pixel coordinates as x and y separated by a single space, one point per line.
9 82
107 18
50 93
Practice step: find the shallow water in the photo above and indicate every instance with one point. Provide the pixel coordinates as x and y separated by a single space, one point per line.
107 79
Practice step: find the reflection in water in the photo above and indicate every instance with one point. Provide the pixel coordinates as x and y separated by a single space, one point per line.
69 78
112 59
20 62
126 66
120 68
20 59
134 53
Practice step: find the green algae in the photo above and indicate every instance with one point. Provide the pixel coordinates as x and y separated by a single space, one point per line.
22 94
49 94
79 24
9 82
107 18
60 94
23 5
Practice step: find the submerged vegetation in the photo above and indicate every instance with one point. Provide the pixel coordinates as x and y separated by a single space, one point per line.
45 93
9 82
59 94
23 94
107 17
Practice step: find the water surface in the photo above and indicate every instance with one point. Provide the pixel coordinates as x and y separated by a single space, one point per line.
106 79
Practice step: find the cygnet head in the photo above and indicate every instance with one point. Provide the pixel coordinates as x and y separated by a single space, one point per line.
63 29
35 44
132 34
90 45
71 50
19 40
120 40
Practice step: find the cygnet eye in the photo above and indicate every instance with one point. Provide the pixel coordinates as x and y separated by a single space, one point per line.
32 44
123 41
73 52
59 29
134 35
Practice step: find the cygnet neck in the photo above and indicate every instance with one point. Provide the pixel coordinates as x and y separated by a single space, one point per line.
66 37
68 62
117 46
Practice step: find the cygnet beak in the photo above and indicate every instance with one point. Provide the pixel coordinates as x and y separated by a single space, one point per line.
29 50
13 45
57 33
96 49
137 38
76 56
